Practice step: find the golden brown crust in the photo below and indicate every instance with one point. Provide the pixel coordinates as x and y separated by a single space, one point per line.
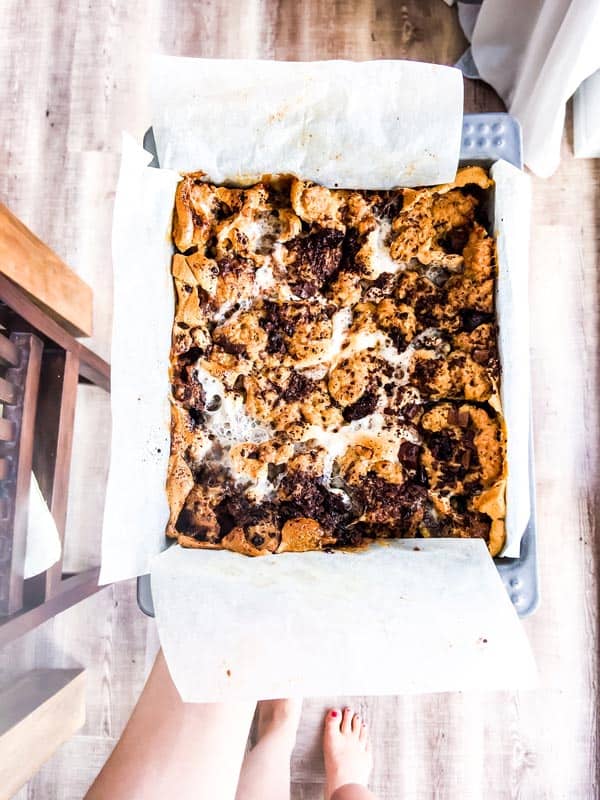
334 366
301 534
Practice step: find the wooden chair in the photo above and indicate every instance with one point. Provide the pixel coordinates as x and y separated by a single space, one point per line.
43 306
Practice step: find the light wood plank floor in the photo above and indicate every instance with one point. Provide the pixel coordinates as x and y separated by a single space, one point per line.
72 78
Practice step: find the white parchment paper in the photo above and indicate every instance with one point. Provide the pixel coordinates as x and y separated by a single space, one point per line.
511 212
391 619
264 619
136 509
364 125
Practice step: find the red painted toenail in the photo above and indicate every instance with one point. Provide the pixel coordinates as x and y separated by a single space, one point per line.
334 713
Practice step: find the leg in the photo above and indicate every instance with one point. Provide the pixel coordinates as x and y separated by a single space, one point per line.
266 771
347 753
175 749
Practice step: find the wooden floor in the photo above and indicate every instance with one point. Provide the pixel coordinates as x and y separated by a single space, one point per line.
72 77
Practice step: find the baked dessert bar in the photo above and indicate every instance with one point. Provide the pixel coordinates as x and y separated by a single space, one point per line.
334 366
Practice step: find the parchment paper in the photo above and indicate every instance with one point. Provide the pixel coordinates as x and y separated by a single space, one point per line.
436 603
511 212
136 509
363 125
388 620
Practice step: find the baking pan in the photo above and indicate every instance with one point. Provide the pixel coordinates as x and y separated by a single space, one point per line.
486 138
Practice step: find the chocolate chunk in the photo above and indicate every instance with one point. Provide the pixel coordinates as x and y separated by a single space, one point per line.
468 438
298 387
398 339
459 503
274 471
350 247
466 459
276 343
481 356
463 418
185 386
225 518
196 417
473 319
232 348
365 405
239 387
421 476
306 496
317 257
441 446
386 501
410 411
257 540
452 416
386 282
350 536
476 525
236 510
455 240
189 357
408 455
186 523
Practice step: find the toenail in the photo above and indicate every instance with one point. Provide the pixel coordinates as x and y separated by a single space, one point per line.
334 713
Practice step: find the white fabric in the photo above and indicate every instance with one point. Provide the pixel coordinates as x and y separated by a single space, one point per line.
535 53
586 118
43 542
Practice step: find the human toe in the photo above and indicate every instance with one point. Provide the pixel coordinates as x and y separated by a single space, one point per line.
333 719
346 725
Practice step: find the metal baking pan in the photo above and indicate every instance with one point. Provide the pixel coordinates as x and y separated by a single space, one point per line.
486 138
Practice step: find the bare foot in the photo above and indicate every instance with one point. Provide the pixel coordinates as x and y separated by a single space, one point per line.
347 750
280 717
